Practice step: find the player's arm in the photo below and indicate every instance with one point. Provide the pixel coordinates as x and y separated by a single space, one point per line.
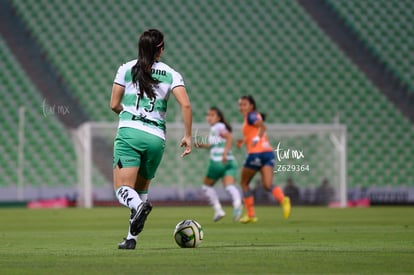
227 147
240 143
181 96
116 98
257 121
202 145
262 127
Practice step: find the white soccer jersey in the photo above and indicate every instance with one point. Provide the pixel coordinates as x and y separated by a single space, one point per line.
146 114
217 142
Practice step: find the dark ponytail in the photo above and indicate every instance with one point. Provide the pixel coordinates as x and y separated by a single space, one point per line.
253 102
222 119
149 46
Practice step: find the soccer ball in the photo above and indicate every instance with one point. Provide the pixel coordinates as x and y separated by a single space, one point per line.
188 234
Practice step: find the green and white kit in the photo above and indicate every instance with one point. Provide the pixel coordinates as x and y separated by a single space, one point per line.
144 113
141 129
216 168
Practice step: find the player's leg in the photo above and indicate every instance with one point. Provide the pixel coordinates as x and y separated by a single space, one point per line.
129 159
266 173
212 198
124 183
248 199
126 163
142 186
231 189
230 186
151 150
215 171
138 218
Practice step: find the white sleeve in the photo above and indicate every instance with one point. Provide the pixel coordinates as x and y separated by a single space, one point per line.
221 129
177 80
120 76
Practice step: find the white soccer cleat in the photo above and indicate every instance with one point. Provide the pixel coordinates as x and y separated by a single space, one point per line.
219 215
237 213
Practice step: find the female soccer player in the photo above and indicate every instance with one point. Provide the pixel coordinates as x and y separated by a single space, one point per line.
260 157
222 164
139 95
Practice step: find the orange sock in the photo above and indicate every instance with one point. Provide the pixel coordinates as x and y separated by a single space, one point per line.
249 204
278 194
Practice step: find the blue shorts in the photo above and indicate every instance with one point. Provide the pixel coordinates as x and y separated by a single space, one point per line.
256 161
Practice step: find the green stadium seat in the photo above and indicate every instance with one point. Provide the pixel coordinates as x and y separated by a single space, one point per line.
36 138
383 25
230 51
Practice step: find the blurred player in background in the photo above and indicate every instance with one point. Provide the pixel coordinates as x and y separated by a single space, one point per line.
260 157
222 164
139 95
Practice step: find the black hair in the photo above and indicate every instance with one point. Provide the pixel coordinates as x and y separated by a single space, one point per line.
149 46
253 102
221 118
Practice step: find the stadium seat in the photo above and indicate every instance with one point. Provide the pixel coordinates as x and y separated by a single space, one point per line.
386 27
40 161
271 49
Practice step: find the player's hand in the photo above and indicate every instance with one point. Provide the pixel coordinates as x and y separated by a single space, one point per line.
224 158
186 142
255 140
239 143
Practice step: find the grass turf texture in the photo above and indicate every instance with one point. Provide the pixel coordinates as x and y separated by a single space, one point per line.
377 240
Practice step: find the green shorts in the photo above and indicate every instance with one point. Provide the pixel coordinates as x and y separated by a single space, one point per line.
217 169
136 148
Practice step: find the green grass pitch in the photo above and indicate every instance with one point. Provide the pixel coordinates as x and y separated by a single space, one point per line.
376 240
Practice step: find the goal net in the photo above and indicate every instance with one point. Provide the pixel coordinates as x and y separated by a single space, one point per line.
310 164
